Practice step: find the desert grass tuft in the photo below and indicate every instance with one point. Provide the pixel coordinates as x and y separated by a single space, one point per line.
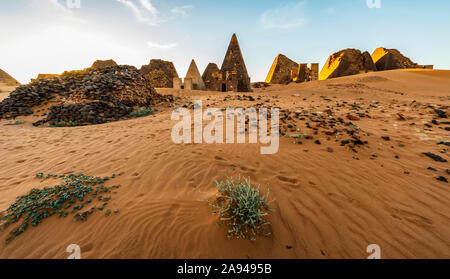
15 123
242 208
142 112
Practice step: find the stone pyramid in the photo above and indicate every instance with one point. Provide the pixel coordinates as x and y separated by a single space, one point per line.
194 74
7 80
345 63
280 72
103 64
160 73
208 74
234 62
391 59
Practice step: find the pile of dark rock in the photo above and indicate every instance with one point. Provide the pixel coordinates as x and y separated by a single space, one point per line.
93 96
260 84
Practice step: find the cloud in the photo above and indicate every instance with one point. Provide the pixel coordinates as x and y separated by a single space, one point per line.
182 10
149 7
58 40
284 17
161 46
140 14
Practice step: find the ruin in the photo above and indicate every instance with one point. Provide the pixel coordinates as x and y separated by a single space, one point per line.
347 62
7 80
194 75
285 70
391 59
234 72
44 76
103 63
209 75
160 73
192 81
233 75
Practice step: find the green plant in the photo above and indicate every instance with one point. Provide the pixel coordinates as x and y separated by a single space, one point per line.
299 136
15 123
40 204
65 124
242 208
141 113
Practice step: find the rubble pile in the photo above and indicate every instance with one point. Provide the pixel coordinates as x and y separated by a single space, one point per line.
93 96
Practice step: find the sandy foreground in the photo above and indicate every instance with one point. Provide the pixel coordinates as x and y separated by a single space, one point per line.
326 204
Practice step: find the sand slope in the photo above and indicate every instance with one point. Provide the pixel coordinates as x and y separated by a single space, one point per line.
326 204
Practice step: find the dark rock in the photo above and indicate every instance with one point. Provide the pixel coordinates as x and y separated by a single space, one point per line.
90 96
443 179
435 157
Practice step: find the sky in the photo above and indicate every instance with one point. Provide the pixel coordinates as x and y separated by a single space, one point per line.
51 36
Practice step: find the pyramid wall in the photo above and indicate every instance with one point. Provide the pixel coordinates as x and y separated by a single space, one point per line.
7 80
233 66
194 74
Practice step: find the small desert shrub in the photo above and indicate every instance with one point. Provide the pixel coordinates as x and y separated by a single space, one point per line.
242 208
15 123
65 124
141 113
75 192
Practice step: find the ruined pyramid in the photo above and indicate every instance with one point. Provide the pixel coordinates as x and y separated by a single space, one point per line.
103 63
391 59
7 80
44 76
233 67
194 74
160 73
281 70
345 63
207 76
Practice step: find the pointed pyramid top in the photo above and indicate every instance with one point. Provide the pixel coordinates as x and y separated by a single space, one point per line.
193 69
234 61
194 74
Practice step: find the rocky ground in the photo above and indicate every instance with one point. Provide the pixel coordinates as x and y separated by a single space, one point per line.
362 160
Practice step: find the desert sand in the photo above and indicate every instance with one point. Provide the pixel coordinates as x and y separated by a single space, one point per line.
5 90
325 204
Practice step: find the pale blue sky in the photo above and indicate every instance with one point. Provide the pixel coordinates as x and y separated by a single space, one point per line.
46 36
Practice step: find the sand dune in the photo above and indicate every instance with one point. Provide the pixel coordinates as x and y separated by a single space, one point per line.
326 204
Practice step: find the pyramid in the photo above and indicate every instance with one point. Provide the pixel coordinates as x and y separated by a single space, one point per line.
44 76
103 63
7 80
281 70
160 73
208 75
234 65
345 63
194 74
391 59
